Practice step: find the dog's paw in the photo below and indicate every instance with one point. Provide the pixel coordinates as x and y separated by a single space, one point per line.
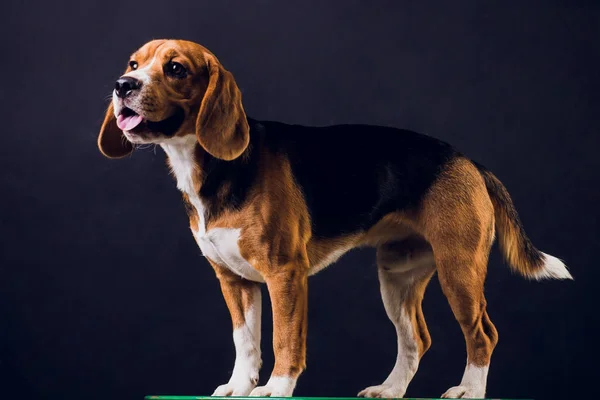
382 391
235 389
463 392
262 391
276 387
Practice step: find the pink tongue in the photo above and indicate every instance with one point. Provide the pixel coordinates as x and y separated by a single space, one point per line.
128 123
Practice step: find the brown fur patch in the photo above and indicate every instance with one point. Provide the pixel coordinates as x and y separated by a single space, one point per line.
323 252
458 221
238 293
392 227
191 212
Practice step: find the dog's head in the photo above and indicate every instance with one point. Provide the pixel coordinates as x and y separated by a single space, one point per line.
171 89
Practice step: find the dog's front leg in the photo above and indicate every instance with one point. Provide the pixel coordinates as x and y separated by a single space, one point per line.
289 299
244 302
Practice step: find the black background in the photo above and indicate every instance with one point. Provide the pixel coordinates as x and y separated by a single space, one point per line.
103 292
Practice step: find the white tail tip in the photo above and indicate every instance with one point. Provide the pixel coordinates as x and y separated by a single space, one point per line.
553 269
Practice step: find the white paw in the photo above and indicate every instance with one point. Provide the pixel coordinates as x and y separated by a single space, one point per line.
276 387
463 392
235 389
382 391
262 391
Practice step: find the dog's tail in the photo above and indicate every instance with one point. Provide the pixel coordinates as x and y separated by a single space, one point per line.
519 252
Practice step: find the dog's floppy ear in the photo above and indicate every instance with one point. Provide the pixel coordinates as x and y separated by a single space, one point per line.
221 127
111 141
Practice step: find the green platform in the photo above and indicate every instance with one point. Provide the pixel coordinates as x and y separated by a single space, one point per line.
171 397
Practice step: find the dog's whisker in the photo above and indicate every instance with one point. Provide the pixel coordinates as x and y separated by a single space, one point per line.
124 141
144 146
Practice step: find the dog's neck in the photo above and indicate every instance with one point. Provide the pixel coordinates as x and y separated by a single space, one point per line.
212 185
185 161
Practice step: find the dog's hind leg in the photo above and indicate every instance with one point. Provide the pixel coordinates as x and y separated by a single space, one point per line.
404 269
458 221
461 279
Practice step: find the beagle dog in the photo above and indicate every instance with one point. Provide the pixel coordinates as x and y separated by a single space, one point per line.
274 203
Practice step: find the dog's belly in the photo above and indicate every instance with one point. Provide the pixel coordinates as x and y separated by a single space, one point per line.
220 245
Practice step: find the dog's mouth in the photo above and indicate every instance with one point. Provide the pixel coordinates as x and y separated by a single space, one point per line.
130 121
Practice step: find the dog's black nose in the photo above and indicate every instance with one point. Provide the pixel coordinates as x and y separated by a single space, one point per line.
126 85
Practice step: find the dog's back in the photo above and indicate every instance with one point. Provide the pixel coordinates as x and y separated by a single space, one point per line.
365 171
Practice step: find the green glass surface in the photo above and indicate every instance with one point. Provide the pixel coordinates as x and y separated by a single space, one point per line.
172 397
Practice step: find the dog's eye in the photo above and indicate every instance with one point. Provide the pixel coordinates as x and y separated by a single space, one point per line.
175 69
133 64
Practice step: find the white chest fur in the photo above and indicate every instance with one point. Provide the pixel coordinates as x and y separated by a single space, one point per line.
181 158
220 245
